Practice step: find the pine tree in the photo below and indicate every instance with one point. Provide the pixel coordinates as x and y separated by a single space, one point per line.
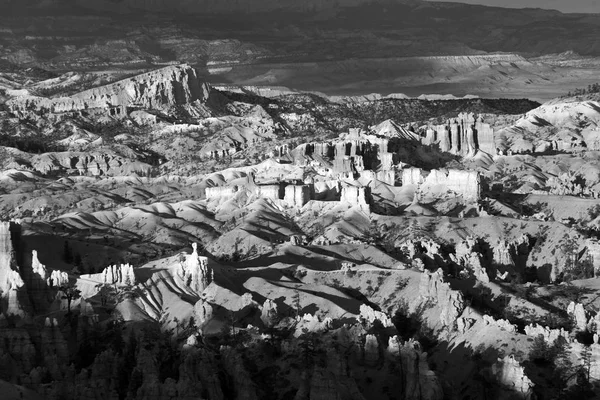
296 302
70 293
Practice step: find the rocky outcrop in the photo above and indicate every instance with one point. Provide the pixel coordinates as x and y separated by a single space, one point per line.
37 267
549 335
385 176
194 271
433 288
468 257
121 274
12 286
94 163
464 135
203 313
219 192
500 323
572 184
577 311
592 252
437 183
162 88
510 374
273 192
297 195
352 154
269 314
355 196
58 279
10 279
369 315
391 129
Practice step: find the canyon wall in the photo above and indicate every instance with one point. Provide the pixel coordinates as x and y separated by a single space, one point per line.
464 136
297 195
356 196
439 182
166 87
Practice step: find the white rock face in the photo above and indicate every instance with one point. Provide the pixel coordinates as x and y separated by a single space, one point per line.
194 271
203 313
550 335
312 323
511 374
10 279
119 274
464 135
501 323
297 195
439 182
37 267
578 312
219 192
58 278
433 287
356 196
269 191
467 256
368 314
502 253
593 251
269 314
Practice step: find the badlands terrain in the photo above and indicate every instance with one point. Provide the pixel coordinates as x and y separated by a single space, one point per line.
165 238
208 200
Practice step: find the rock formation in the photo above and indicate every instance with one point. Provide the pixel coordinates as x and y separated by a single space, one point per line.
58 279
500 323
89 163
163 88
121 274
37 267
549 335
219 192
467 256
297 195
10 279
432 287
355 196
370 315
439 182
509 373
463 136
577 311
203 313
195 272
12 285
269 313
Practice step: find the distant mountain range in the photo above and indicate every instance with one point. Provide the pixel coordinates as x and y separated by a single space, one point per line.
340 47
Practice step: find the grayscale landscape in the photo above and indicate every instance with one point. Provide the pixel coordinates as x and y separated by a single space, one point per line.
283 200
